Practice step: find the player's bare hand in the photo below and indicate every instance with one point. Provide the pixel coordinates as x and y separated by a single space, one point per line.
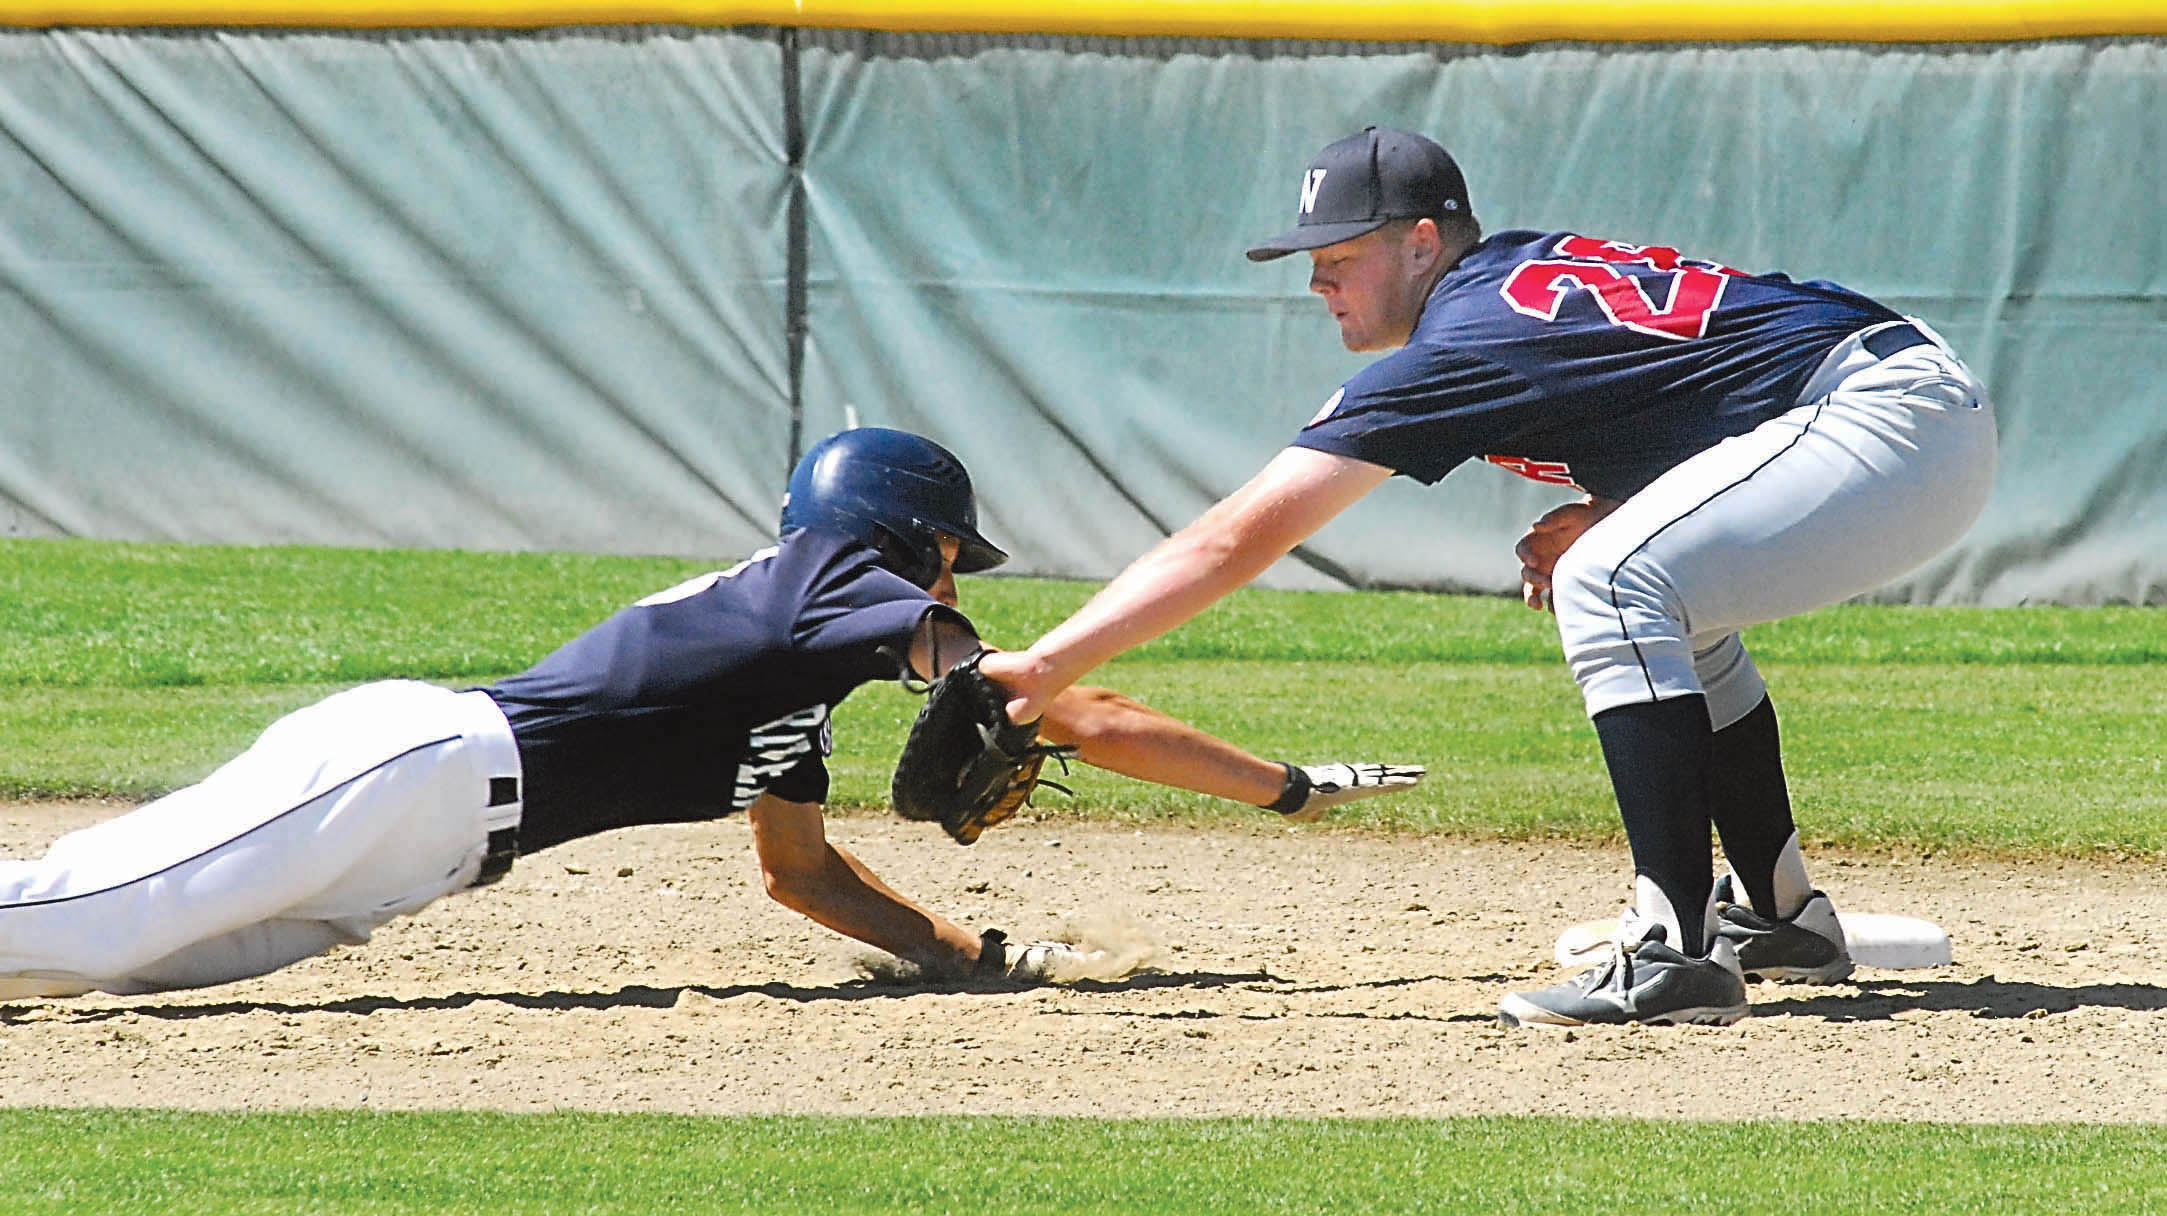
1547 540
1030 685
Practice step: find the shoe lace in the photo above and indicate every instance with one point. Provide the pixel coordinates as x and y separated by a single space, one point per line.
1617 961
1633 929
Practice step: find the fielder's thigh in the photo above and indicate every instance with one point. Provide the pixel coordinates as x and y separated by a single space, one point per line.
366 805
1834 498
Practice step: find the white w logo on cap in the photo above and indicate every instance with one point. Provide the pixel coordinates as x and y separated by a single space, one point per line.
1310 186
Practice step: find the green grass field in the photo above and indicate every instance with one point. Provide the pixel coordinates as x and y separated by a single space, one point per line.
566 1164
129 669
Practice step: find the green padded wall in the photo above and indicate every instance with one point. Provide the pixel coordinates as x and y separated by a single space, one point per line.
543 289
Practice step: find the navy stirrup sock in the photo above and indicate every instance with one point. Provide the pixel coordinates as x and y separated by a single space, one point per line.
1659 754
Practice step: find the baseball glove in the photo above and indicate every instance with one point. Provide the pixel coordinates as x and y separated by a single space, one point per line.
964 765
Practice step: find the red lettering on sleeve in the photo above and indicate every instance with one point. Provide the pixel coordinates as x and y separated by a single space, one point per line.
1549 472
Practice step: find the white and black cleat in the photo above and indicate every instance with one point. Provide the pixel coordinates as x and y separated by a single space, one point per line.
1643 980
1807 948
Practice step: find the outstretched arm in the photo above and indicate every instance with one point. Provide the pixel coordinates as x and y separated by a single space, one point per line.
1229 545
938 644
809 875
1121 735
1116 733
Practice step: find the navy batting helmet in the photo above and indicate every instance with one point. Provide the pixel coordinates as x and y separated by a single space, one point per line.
898 493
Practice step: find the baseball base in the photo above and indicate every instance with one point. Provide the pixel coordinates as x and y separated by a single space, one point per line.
1876 939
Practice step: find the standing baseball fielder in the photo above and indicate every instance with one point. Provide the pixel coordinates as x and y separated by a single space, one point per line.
706 699
1752 447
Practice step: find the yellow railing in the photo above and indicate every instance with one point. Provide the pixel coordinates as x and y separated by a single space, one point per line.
1485 21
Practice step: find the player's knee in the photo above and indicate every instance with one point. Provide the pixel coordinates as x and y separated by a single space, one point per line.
1619 625
1602 585
1581 587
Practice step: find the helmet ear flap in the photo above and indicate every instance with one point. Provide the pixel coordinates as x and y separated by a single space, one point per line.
918 565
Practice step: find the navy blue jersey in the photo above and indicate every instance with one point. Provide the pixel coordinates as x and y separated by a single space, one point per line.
693 702
1586 363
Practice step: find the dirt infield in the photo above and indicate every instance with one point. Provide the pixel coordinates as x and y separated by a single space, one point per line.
1311 972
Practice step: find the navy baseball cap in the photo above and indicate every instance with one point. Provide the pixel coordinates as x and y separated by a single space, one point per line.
1365 181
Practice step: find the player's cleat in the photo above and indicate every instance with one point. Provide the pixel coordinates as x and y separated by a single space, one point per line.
1808 948
1643 980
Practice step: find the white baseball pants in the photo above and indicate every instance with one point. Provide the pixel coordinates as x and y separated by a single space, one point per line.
1884 463
367 805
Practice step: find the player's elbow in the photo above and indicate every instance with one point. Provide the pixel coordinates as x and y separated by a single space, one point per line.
794 887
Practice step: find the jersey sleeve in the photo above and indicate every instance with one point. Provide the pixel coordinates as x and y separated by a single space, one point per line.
808 782
1420 412
859 608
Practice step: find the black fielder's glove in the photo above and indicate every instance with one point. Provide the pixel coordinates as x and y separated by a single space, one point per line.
964 765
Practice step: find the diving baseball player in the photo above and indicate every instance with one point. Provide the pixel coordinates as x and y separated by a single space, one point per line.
1752 447
707 699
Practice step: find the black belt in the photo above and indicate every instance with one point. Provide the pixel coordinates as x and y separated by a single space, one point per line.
504 842
1886 342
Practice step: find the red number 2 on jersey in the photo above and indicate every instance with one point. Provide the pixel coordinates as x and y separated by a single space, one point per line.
1538 288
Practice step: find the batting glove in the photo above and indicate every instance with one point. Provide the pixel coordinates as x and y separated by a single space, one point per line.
1030 963
1313 789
